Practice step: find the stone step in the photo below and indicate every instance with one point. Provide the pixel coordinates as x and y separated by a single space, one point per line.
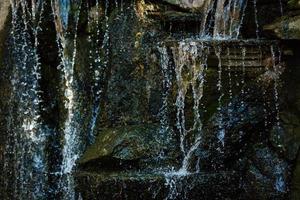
139 185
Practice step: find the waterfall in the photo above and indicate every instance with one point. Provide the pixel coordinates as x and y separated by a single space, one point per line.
183 72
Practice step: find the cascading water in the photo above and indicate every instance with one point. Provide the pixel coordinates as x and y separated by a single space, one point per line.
187 54
190 65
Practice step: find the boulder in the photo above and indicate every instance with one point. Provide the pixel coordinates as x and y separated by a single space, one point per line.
127 144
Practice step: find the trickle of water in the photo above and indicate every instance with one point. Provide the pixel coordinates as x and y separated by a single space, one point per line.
256 18
221 132
244 51
229 82
276 80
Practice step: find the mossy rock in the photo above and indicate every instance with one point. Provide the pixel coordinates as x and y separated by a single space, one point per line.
127 143
287 27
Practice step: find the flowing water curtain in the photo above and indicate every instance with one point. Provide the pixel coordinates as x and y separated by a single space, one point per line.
190 61
25 157
190 64
66 30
